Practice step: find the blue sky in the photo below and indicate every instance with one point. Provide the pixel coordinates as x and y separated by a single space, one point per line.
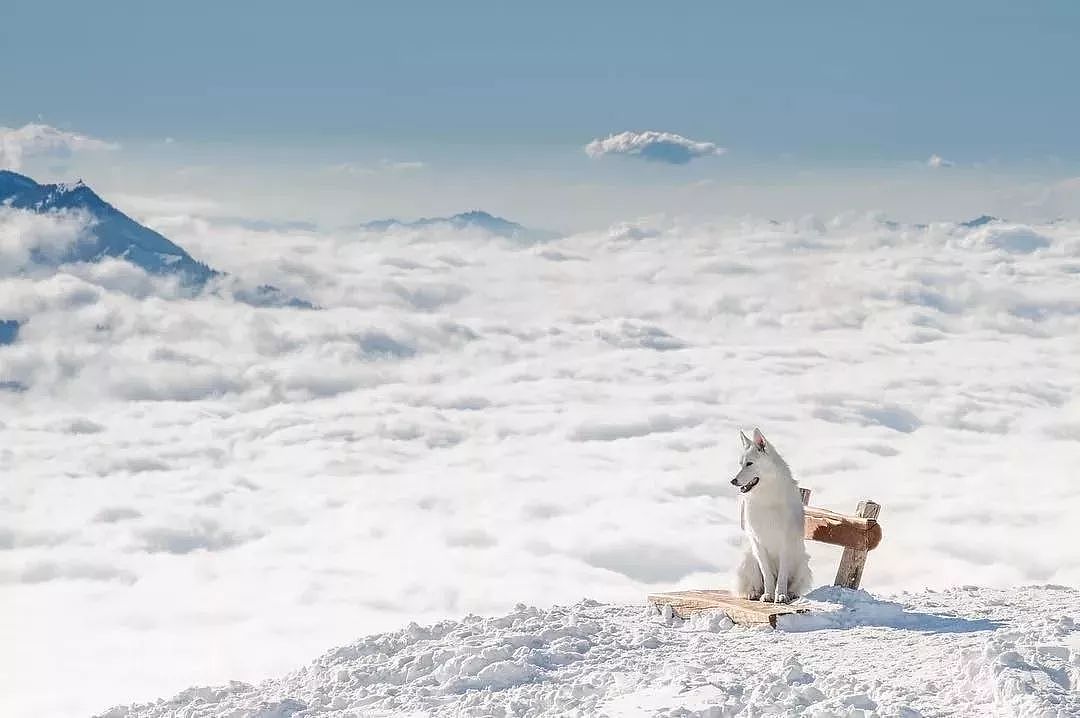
482 94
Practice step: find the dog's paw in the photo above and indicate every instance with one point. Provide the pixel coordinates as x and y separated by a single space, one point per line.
766 598
784 598
752 596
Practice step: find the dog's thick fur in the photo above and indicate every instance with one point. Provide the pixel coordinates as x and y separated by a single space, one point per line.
775 565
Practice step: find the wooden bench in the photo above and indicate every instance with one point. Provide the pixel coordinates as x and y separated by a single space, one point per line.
858 534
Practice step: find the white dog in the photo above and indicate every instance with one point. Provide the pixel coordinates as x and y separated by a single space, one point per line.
775 565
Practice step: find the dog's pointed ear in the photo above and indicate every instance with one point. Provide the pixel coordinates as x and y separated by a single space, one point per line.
759 439
746 443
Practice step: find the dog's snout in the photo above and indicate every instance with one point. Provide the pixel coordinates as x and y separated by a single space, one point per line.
734 482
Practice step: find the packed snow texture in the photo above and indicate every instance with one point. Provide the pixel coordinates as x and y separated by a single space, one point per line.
198 489
962 652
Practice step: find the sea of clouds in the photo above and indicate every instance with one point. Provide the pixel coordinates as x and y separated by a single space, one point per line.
196 489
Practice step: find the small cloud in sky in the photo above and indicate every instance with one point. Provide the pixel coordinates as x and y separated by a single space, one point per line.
654 146
937 162
359 170
37 139
349 168
169 140
403 166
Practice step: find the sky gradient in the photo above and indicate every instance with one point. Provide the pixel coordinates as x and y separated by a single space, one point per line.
346 111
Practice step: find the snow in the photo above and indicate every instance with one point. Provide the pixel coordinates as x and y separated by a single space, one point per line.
198 490
965 651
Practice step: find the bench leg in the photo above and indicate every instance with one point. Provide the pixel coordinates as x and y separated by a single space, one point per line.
849 574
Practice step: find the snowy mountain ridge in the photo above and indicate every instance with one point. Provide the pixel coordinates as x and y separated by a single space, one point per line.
111 232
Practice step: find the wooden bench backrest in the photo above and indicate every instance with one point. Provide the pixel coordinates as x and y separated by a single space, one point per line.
858 534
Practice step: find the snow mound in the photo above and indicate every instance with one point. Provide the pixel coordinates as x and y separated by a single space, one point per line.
967 651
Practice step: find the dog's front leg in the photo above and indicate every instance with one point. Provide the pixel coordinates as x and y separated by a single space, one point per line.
783 578
768 571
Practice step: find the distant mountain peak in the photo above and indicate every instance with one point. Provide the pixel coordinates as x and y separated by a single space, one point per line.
473 218
112 233
478 215
980 221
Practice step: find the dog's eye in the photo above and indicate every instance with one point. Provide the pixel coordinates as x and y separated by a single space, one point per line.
749 463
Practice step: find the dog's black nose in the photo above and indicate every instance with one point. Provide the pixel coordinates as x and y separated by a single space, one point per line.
734 482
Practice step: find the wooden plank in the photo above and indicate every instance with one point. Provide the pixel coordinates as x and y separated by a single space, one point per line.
853 561
740 610
860 533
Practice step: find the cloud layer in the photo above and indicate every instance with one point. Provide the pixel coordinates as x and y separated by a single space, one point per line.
653 146
28 239
34 139
471 422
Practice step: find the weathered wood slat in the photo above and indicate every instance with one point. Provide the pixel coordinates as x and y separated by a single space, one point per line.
853 561
740 610
859 533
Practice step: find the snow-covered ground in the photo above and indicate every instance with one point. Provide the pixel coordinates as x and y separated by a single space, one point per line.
199 490
961 652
